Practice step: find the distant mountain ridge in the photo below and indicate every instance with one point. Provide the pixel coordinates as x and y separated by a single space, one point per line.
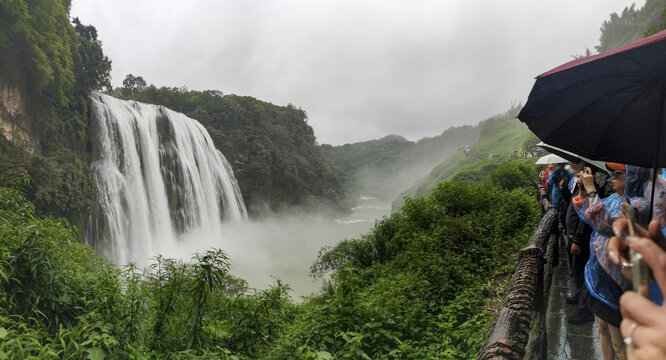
393 138
388 165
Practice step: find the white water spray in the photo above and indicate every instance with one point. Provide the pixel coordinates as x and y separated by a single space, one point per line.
159 181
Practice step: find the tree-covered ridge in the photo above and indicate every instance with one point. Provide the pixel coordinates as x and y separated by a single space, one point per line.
422 284
272 149
631 24
499 137
54 65
388 165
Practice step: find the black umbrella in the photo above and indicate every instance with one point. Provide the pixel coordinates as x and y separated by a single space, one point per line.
607 107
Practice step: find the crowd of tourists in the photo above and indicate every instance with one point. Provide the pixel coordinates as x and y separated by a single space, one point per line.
593 206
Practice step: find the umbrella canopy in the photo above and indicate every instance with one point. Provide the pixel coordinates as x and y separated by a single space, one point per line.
550 159
608 107
573 157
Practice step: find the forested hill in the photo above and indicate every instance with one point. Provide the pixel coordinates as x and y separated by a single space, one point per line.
48 68
271 148
386 166
632 24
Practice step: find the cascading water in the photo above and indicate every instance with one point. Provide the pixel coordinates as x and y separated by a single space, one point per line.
159 180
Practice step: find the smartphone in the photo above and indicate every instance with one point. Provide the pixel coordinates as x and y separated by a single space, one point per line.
640 274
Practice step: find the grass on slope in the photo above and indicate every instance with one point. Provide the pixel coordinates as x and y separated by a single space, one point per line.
500 135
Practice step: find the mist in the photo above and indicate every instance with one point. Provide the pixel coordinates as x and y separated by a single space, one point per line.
281 246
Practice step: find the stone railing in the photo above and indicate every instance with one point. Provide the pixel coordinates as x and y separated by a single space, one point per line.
519 328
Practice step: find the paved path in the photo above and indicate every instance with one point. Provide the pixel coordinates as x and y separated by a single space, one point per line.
565 341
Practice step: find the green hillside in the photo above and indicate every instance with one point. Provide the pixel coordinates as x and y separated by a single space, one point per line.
499 136
386 166
48 68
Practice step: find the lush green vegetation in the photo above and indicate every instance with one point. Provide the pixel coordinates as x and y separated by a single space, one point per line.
632 24
271 148
387 166
54 65
422 284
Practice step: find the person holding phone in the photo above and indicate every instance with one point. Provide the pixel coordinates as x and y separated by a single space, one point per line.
603 278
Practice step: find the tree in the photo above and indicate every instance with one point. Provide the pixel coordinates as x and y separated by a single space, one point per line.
36 46
92 68
133 85
657 28
588 53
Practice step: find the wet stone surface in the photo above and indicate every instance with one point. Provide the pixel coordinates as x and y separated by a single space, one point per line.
566 341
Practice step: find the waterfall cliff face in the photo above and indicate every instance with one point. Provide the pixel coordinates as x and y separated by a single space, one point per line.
159 181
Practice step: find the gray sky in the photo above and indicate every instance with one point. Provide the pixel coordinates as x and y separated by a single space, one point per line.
361 69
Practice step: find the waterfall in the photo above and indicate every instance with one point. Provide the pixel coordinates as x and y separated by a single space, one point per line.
159 180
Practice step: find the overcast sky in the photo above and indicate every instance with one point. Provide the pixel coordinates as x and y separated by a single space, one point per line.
361 69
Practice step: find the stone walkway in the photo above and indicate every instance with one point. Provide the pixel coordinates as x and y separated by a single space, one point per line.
565 341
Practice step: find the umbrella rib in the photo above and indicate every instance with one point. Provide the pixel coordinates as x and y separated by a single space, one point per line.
654 74
590 105
612 123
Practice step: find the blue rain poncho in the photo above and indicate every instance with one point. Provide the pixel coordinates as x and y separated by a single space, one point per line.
604 279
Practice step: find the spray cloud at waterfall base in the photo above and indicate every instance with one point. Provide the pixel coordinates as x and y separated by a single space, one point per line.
159 180
162 188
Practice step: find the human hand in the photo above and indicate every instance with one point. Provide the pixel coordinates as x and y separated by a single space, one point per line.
587 179
562 182
575 249
581 189
617 249
644 323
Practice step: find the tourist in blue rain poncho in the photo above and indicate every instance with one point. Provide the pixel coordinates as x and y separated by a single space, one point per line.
557 180
604 279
